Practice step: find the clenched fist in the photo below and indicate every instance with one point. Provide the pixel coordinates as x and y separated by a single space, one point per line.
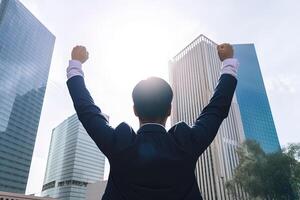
225 51
80 53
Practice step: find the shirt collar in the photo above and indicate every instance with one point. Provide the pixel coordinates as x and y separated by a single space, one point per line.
152 127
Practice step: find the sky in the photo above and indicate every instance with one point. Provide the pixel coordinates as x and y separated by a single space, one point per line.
132 40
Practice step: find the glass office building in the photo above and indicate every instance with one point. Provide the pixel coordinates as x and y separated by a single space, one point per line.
26 48
253 100
74 161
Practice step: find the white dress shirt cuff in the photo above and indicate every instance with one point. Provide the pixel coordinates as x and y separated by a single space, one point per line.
230 66
74 69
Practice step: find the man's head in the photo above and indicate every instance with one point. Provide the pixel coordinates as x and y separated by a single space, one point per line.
152 100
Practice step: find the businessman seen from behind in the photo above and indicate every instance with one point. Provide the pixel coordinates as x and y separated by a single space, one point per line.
152 163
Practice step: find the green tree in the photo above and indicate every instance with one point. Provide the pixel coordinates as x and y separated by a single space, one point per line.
268 176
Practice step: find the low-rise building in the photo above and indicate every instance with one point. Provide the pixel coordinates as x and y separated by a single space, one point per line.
16 196
96 190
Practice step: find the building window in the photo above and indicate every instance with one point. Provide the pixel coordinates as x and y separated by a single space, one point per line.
48 185
72 182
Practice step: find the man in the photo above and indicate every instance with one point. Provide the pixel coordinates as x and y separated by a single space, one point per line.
153 163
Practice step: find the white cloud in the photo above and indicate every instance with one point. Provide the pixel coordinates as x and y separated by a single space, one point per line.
282 84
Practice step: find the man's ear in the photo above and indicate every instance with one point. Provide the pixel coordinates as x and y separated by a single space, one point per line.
135 111
169 111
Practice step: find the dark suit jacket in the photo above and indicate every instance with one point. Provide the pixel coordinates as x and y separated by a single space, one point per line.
153 163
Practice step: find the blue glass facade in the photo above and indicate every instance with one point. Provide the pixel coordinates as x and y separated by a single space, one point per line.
74 161
253 100
26 48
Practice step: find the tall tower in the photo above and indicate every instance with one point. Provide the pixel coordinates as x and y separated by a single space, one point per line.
26 48
74 160
194 73
253 100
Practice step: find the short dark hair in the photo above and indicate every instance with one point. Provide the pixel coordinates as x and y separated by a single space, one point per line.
152 98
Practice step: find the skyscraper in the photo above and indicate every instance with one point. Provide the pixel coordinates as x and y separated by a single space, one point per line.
74 160
253 100
26 48
194 73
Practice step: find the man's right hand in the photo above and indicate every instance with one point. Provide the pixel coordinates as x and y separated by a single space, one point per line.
225 51
80 53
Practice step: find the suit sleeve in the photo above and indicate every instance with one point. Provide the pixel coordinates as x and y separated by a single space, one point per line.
91 117
207 124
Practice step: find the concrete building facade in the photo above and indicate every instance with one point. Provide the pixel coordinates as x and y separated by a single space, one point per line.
194 73
95 191
16 196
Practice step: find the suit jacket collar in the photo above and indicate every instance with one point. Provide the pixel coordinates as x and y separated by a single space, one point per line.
151 127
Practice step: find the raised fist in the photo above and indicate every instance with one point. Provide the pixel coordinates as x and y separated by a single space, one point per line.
80 53
225 51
